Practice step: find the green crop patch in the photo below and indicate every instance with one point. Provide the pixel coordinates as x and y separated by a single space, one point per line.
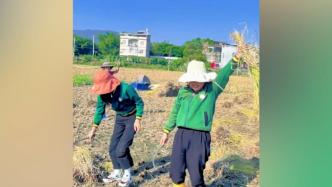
81 80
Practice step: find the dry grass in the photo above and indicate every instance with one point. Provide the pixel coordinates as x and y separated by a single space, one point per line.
83 168
235 132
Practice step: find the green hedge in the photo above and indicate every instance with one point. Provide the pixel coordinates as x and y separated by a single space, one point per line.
131 61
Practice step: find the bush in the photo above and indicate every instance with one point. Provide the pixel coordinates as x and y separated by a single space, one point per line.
178 65
160 61
87 58
83 59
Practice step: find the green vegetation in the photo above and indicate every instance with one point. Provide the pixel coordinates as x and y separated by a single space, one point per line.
166 49
83 46
135 62
244 166
193 50
107 49
109 44
81 80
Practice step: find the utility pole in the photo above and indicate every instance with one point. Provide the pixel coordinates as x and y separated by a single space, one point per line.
169 57
221 48
74 47
93 45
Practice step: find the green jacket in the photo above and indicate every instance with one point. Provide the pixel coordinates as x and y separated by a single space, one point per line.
196 110
124 100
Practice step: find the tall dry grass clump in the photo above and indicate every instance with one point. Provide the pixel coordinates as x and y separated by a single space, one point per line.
250 56
83 165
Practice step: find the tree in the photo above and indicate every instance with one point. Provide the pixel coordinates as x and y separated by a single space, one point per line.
177 51
109 44
193 50
83 46
166 49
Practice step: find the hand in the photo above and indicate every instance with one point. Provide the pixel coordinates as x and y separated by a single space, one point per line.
237 56
137 125
240 51
92 133
164 139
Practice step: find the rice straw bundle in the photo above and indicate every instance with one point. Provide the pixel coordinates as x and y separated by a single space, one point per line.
250 56
83 164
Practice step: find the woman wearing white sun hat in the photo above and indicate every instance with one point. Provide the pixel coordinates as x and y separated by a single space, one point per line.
192 113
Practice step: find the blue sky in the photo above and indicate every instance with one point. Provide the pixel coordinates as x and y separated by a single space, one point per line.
175 21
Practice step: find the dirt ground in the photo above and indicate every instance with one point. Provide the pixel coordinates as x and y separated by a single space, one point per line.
234 159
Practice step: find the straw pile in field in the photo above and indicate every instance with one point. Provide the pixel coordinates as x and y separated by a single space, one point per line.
83 165
169 90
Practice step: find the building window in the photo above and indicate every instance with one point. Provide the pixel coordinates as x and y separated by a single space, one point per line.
141 43
133 42
123 42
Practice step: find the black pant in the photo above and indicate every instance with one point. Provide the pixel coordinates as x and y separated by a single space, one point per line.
191 150
122 139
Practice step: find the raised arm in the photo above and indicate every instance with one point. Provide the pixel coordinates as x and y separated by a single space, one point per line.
223 75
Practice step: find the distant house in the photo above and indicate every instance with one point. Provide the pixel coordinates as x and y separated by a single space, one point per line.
227 52
219 53
213 53
135 44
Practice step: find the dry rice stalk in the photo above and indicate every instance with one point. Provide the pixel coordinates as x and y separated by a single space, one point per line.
250 56
83 165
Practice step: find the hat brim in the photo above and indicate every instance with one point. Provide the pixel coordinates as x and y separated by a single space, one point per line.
105 87
106 66
198 77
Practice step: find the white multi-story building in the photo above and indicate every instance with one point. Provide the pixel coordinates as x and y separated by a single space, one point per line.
135 44
220 53
227 52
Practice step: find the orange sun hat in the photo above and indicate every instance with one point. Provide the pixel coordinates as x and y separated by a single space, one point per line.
104 82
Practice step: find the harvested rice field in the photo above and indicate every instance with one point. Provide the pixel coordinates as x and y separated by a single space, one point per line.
234 159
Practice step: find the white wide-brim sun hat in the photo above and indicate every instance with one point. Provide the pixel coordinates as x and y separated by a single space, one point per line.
196 72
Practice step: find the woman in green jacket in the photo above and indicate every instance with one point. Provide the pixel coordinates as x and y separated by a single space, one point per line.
192 113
